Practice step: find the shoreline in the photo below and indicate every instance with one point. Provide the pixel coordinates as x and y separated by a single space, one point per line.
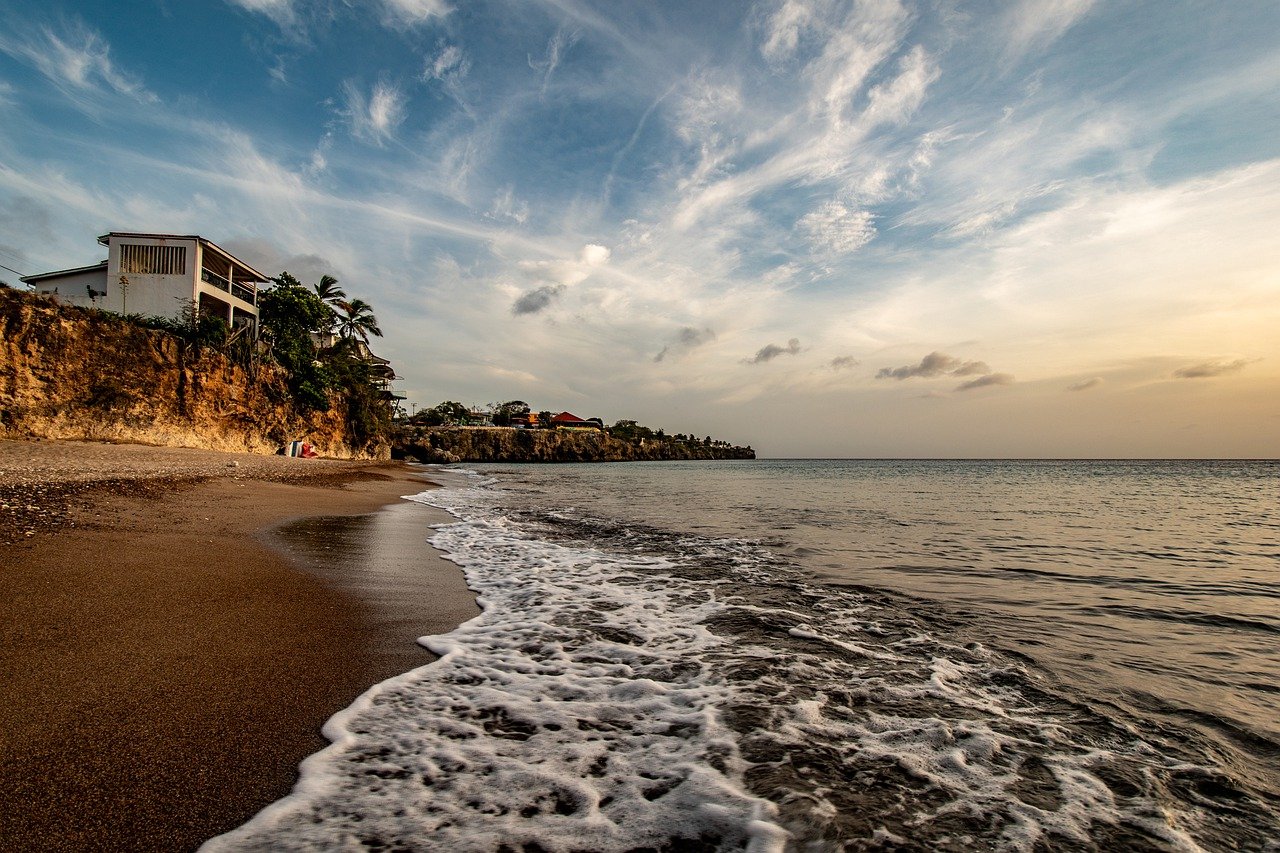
178 625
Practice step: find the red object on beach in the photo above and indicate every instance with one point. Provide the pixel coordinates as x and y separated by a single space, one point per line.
308 452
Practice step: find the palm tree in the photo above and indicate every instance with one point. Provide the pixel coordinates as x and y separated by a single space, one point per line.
356 320
331 295
328 291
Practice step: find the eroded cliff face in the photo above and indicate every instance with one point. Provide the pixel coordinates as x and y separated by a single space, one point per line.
498 444
72 374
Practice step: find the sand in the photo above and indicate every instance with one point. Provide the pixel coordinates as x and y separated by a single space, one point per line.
175 630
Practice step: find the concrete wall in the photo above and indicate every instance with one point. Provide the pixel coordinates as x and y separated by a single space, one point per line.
162 295
73 289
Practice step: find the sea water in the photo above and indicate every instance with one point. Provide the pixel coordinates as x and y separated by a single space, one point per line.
828 655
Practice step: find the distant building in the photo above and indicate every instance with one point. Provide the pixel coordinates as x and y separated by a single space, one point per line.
160 274
381 373
568 420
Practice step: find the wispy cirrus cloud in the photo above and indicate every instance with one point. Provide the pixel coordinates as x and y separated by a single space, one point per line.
449 66
1086 384
76 58
835 228
556 49
1035 23
411 13
282 12
373 117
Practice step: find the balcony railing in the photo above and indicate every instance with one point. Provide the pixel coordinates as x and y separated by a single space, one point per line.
246 293
234 288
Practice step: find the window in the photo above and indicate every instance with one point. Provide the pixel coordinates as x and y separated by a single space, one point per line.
153 260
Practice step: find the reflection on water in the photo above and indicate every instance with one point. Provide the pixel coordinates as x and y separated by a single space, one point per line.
382 559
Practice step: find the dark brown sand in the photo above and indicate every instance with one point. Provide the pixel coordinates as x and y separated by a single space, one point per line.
166 661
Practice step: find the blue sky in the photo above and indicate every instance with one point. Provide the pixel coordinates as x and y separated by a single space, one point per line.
896 227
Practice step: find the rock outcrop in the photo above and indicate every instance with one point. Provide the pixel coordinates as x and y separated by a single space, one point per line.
503 444
70 373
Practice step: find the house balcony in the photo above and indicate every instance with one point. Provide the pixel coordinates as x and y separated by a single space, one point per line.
234 288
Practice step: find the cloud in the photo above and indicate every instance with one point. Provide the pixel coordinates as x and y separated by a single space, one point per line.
280 11
537 300
449 66
837 229
269 258
507 206
772 351
1093 382
1033 23
843 362
986 381
972 368
935 364
594 255
373 119
686 339
77 61
566 271
1208 369
410 13
556 48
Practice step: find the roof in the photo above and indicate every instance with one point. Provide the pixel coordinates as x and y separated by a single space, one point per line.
28 279
241 266
569 418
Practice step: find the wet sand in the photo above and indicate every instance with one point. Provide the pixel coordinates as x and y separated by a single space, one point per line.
170 645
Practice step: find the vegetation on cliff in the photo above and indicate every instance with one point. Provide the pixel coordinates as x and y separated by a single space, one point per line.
512 432
68 372
316 334
517 413
505 444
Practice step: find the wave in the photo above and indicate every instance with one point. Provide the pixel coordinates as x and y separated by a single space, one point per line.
630 688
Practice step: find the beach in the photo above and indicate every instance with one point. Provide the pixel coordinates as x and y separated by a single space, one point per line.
174 634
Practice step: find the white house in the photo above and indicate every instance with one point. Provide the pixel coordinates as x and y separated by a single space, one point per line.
160 274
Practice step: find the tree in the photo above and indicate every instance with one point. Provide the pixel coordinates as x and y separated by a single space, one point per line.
442 413
328 291
288 314
544 419
332 295
504 412
287 310
356 320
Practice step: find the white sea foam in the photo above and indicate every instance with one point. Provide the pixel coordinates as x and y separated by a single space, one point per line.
577 712
588 708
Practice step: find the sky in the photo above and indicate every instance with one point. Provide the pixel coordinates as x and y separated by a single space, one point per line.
923 228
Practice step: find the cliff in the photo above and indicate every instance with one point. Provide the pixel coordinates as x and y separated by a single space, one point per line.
71 373
499 444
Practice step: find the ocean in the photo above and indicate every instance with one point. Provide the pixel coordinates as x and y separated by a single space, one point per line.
828 655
